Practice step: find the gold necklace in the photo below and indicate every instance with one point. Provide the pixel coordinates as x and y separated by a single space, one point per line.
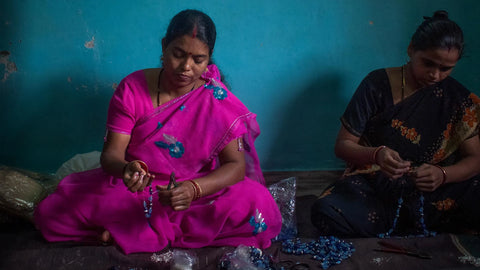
403 82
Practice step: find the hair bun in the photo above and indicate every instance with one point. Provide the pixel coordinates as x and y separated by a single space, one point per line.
440 14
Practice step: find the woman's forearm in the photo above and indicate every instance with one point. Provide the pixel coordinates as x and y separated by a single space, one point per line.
354 153
112 165
469 165
463 170
226 175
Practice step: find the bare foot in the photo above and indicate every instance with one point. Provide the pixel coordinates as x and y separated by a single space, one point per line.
106 238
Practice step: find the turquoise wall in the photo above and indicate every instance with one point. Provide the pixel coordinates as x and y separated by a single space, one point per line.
294 63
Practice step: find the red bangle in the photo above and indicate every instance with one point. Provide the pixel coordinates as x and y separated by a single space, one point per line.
199 192
142 164
376 152
444 174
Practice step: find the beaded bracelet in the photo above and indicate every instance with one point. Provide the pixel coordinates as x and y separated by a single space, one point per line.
376 152
444 174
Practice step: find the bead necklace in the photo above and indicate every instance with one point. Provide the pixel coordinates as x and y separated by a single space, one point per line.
403 83
147 208
425 232
158 87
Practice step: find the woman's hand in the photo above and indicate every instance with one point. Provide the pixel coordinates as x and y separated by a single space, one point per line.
135 176
428 177
391 163
347 147
179 197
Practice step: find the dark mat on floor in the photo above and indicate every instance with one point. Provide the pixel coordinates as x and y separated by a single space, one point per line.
24 248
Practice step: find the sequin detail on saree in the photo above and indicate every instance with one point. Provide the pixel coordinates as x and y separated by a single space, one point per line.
258 223
175 148
218 92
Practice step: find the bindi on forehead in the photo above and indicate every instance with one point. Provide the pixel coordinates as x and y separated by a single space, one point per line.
190 46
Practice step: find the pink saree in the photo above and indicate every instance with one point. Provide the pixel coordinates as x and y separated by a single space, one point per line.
183 136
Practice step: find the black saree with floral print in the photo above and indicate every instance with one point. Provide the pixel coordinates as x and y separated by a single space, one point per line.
426 127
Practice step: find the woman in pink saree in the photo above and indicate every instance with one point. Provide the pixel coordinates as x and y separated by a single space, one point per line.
178 121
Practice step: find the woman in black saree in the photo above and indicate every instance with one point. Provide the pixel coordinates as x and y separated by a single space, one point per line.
410 138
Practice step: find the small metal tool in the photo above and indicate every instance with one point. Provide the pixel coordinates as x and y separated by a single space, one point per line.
172 182
393 248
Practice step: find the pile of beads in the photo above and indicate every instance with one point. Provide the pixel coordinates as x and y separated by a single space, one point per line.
259 259
246 257
470 259
329 250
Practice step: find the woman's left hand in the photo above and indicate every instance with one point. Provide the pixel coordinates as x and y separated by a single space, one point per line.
179 197
428 177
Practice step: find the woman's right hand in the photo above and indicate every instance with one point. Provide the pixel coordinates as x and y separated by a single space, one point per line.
391 163
135 177
179 198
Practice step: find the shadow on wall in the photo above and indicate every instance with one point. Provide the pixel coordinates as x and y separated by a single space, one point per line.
66 117
314 116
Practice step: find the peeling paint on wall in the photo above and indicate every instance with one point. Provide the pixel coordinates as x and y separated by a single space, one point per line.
90 44
10 67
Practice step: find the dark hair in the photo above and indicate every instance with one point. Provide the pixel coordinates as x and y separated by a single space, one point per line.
438 32
192 22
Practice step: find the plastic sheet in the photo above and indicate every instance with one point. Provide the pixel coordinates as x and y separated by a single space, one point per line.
284 192
239 259
79 163
21 191
183 260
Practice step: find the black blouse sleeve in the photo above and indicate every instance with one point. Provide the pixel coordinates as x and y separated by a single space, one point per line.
370 98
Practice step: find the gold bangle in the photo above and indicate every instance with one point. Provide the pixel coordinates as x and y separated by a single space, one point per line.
444 174
195 190
376 152
199 189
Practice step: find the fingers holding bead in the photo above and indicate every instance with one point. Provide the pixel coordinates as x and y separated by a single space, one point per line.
136 176
391 163
145 180
140 184
131 179
429 177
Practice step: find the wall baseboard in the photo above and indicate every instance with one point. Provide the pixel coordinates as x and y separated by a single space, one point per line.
308 182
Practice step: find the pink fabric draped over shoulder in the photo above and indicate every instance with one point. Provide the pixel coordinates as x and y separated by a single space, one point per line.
183 136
